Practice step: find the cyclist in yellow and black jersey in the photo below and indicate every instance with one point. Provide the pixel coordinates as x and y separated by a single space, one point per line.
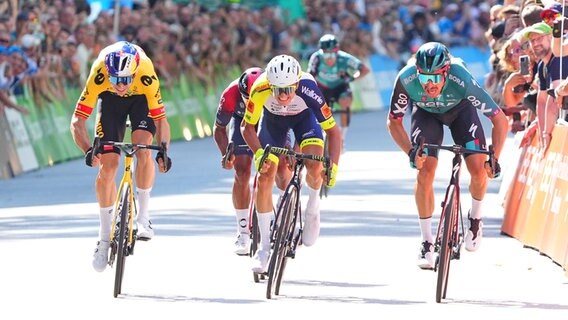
123 79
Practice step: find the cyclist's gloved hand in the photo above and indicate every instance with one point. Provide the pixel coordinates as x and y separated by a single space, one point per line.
493 172
89 157
168 165
259 154
412 156
332 176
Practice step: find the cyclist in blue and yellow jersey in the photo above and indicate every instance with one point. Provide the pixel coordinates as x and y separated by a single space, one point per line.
287 98
442 92
123 81
333 70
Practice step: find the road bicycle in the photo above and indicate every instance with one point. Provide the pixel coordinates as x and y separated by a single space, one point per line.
324 190
287 228
123 230
450 232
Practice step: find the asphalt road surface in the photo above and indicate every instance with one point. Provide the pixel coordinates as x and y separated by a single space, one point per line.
362 266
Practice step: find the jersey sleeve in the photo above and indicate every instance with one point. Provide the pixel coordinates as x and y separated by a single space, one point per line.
313 64
227 106
93 87
151 88
259 93
480 99
312 95
400 100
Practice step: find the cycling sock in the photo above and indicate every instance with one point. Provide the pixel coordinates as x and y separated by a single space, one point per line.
105 215
143 200
242 221
313 203
344 133
264 220
426 229
476 206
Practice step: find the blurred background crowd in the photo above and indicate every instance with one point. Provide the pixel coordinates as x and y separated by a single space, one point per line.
201 40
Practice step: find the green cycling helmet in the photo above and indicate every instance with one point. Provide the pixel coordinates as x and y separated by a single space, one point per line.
328 42
431 57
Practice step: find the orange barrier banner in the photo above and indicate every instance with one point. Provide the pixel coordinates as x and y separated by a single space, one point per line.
554 185
517 202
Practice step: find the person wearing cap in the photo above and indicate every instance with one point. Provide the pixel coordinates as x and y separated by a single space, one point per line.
549 75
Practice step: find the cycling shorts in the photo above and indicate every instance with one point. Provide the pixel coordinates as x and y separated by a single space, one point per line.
462 120
115 110
274 129
333 95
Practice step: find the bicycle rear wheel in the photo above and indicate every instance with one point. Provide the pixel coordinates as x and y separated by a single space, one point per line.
122 240
446 246
283 240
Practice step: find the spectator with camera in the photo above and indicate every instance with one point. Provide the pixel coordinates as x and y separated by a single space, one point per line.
519 68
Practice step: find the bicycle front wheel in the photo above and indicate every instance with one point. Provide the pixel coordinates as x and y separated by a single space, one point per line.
449 215
123 208
283 240
324 190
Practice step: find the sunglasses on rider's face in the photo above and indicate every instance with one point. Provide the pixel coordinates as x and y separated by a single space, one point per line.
119 80
277 91
435 78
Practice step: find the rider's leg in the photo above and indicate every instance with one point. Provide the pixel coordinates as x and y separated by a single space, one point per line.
105 186
424 197
145 173
345 102
313 184
241 190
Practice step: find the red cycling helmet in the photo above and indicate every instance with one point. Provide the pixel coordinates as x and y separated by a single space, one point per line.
247 79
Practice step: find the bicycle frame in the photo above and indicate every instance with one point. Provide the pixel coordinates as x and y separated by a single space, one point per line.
123 246
284 235
449 239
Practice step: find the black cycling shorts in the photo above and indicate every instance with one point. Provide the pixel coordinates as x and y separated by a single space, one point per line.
462 120
115 110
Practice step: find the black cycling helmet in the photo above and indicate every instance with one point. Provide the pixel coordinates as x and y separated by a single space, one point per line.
328 42
247 78
431 57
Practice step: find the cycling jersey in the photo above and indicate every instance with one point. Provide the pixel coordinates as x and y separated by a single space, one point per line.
308 96
333 76
231 103
460 85
145 83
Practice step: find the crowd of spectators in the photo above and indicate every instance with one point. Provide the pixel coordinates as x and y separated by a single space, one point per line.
184 38
524 31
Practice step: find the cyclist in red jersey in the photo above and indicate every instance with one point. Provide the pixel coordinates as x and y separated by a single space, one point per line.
227 128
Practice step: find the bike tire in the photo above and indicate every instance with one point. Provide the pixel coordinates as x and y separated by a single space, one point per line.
254 239
324 190
446 247
289 233
122 246
275 267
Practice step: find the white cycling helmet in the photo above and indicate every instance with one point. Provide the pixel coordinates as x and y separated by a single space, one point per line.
283 71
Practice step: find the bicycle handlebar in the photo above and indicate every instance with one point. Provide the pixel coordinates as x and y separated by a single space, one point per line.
129 148
288 152
458 150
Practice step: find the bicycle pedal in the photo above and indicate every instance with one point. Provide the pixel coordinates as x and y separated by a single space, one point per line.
143 238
